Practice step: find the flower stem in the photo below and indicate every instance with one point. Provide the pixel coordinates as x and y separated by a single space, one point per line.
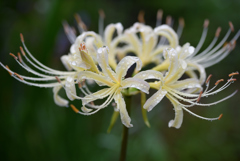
125 131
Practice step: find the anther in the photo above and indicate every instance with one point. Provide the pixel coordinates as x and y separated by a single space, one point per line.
20 57
59 81
218 31
159 14
74 108
231 26
92 103
232 80
22 51
80 22
232 74
169 20
101 13
18 76
208 79
79 85
206 23
9 71
78 18
82 46
181 22
13 56
221 80
199 97
220 116
21 36
141 16
114 104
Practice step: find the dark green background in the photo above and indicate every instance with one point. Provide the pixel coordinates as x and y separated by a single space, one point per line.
32 127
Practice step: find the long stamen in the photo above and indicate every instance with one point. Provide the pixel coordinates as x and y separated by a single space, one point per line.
101 22
203 37
180 27
141 16
159 17
40 64
81 25
69 32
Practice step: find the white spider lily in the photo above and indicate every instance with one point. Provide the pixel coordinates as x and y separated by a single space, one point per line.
179 92
115 82
208 57
147 47
46 74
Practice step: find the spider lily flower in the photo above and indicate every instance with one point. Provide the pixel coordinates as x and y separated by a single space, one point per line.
208 57
93 40
147 47
115 82
78 62
179 92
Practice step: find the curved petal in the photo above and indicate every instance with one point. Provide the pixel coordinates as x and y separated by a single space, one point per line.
201 71
109 31
121 105
177 122
176 68
125 64
70 87
186 84
154 99
65 61
149 74
96 77
102 58
169 33
57 99
135 83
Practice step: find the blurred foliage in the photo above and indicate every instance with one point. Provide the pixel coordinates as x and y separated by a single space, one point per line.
34 128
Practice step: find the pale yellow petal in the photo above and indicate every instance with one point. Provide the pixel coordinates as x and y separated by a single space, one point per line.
96 77
135 83
177 122
102 58
125 64
121 105
154 99
70 87
57 99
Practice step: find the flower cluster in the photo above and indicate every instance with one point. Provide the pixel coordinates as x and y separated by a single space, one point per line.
103 59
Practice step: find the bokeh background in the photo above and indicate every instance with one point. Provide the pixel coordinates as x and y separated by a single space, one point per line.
32 127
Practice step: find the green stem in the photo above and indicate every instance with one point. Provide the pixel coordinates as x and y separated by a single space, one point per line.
125 131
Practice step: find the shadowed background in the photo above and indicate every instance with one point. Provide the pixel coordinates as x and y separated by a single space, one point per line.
34 128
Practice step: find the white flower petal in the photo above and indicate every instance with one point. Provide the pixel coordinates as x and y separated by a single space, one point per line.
96 77
176 68
135 83
149 74
121 105
66 63
102 58
154 99
169 33
109 31
186 84
57 99
70 87
85 109
177 122
125 64
200 69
